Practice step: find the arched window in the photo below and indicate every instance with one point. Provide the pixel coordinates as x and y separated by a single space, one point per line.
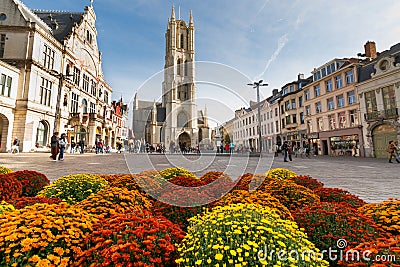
182 119
41 134
178 67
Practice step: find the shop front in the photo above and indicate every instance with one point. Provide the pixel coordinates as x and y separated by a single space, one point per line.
346 142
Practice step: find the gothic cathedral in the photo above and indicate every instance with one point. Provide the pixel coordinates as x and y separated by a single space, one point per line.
176 119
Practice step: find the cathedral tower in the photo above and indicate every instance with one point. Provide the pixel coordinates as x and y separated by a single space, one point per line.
179 90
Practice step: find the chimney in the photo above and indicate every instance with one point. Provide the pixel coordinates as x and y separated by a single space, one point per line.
275 92
370 50
300 76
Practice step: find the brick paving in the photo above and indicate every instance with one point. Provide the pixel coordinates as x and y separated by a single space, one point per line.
372 179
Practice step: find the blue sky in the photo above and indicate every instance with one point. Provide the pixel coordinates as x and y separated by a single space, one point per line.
272 40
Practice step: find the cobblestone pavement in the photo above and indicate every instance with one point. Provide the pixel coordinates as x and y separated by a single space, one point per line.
372 179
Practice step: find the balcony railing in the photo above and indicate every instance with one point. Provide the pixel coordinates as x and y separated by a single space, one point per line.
391 113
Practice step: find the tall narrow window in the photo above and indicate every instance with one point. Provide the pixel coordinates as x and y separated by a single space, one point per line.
340 101
389 98
41 134
329 86
332 122
186 68
77 76
74 103
178 66
342 120
351 97
8 87
182 41
3 84
353 118
106 97
370 102
85 84
331 103
2 44
317 90
93 86
48 57
318 107
349 77
45 92
307 94
338 82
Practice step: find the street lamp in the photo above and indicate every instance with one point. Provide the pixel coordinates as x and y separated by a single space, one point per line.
57 116
257 86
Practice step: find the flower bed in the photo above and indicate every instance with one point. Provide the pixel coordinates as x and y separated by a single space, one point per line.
43 235
131 240
307 181
74 188
280 174
241 235
326 223
32 182
338 195
22 202
177 171
10 187
113 200
386 214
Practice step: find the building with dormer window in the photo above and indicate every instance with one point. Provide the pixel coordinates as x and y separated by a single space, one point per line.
61 83
379 94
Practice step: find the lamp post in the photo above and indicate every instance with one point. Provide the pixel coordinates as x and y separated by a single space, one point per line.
57 116
257 85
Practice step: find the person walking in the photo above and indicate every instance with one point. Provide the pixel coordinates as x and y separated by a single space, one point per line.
290 152
81 144
391 150
15 146
231 147
54 146
62 143
285 151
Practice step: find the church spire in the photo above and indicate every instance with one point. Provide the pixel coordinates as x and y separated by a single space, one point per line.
173 13
191 19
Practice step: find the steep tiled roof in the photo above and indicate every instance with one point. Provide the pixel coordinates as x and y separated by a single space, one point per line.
61 22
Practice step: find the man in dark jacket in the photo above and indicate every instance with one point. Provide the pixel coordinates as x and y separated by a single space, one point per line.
54 146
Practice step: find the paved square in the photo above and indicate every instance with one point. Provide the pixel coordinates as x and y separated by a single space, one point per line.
371 179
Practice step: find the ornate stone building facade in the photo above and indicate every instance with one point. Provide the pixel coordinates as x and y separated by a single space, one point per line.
61 85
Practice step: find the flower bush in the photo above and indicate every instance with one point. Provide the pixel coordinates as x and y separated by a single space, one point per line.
386 214
250 181
10 187
4 206
263 199
5 170
74 188
22 202
131 240
185 181
176 171
339 195
387 250
242 235
218 184
326 223
280 174
307 181
32 181
291 195
114 200
43 235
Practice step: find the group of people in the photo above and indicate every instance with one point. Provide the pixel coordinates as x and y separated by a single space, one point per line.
394 151
15 146
288 150
58 145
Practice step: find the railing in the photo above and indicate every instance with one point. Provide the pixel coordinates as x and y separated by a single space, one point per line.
391 113
382 114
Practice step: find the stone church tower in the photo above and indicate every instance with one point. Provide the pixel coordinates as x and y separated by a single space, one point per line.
178 88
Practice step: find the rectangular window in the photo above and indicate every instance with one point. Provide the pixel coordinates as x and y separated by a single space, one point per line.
370 102
287 105
283 123
92 108
342 120
317 90
276 126
318 107
302 118
7 92
2 44
106 97
307 94
332 122
338 82
48 57
320 124
269 129
77 76
349 77
287 119
292 88
276 112
300 101
353 118
294 118
317 76
293 103
74 103
351 97
331 103
45 92
3 83
329 86
272 127
85 84
93 87
285 91
308 110
340 101
323 71
389 98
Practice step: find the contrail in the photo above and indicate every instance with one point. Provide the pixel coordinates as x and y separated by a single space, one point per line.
281 44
